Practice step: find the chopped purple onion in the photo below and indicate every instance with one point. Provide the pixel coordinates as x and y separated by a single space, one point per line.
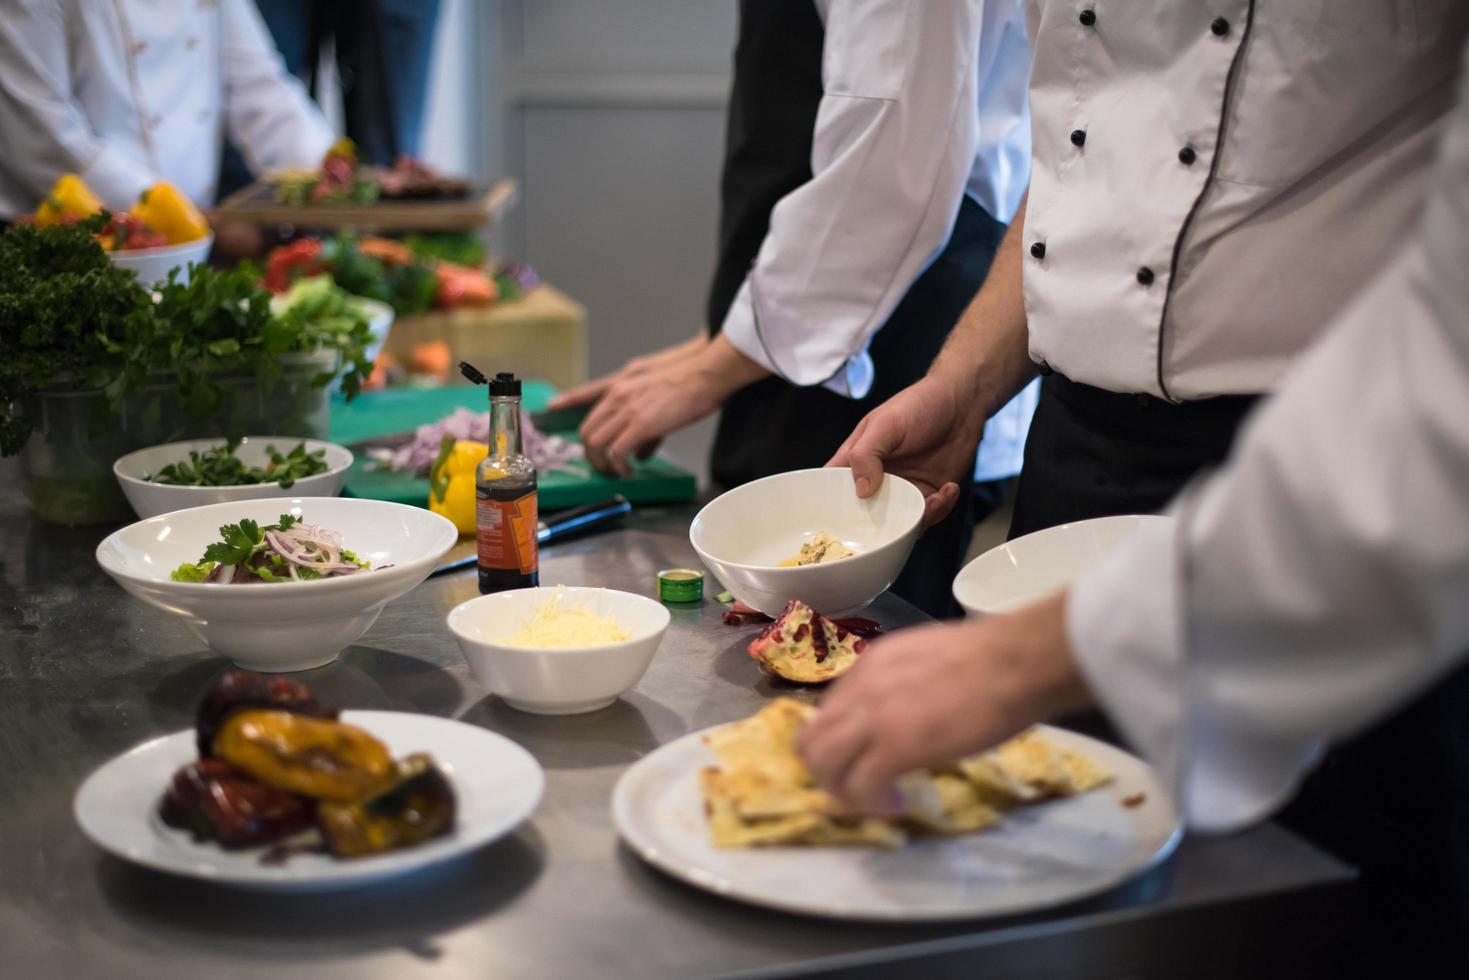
417 457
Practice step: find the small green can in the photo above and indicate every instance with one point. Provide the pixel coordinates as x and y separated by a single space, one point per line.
680 585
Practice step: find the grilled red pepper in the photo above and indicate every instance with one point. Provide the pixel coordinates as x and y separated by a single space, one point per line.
215 801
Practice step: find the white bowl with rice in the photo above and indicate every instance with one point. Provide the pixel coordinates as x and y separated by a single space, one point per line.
562 650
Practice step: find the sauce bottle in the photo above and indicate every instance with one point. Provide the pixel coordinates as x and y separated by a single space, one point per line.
505 498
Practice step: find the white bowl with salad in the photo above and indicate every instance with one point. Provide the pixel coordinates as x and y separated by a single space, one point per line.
278 584
177 475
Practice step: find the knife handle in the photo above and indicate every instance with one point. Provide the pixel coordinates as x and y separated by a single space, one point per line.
579 520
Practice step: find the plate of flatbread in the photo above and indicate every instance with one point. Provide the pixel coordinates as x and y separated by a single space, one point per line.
1047 818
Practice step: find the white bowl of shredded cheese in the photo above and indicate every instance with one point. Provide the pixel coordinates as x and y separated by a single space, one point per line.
561 650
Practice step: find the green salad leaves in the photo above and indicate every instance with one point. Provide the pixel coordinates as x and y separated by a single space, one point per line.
220 467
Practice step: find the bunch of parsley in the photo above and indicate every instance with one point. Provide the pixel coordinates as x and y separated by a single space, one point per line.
64 306
68 315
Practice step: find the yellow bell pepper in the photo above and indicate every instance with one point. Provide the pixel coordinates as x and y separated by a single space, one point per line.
451 481
69 197
165 209
311 756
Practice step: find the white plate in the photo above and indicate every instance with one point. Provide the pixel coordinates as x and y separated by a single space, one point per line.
1041 856
498 785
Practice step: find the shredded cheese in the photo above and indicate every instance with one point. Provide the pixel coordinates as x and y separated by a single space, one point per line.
559 626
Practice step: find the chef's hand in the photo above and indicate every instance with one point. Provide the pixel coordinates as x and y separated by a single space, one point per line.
589 392
924 697
925 433
636 410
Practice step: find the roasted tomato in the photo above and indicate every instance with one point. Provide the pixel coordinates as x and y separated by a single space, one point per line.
214 800
288 262
417 805
321 759
241 690
127 232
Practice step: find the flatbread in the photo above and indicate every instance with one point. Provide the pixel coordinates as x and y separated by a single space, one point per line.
769 732
762 794
961 811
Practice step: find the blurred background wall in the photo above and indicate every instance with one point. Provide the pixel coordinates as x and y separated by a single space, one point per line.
610 113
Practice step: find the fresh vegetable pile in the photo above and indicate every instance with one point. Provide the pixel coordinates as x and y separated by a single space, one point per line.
338 180
412 276
69 316
343 179
287 551
322 303
220 467
163 215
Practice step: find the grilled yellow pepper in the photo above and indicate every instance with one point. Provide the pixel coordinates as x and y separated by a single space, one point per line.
69 197
451 481
165 209
416 805
322 759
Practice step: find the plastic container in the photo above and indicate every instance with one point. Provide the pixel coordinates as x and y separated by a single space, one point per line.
67 470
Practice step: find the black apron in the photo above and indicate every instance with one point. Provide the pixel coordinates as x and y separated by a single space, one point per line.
1395 801
773 426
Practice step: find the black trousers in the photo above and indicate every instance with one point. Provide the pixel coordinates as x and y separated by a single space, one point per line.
773 426
1094 453
1394 802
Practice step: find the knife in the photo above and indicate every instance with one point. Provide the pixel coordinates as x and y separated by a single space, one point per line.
559 526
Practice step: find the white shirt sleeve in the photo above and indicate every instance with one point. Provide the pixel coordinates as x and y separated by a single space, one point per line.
46 133
1319 582
893 147
267 112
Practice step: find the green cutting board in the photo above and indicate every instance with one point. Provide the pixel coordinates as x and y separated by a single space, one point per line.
375 414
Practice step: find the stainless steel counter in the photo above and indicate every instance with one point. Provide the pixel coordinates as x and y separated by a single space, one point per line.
86 672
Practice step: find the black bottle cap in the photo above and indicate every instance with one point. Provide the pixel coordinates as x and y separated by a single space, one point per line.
505 384
473 374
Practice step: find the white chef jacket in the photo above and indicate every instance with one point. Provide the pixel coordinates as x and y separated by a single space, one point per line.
127 92
922 103
1322 579
1213 178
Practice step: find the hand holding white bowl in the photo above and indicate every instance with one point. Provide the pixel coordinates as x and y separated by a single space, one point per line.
743 535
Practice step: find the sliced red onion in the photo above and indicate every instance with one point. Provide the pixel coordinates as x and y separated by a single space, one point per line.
417 457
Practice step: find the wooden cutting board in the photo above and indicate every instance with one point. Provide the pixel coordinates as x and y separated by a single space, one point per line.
256 204
376 414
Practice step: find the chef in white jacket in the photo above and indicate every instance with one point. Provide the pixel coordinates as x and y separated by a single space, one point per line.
127 93
1212 185
875 151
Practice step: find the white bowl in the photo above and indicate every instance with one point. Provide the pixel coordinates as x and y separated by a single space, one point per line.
152 265
1038 564
557 681
742 537
290 625
151 499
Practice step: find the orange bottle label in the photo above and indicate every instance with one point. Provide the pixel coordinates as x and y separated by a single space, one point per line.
507 533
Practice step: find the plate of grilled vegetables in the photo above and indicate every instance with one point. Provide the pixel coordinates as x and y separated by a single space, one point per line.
273 790
1048 817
